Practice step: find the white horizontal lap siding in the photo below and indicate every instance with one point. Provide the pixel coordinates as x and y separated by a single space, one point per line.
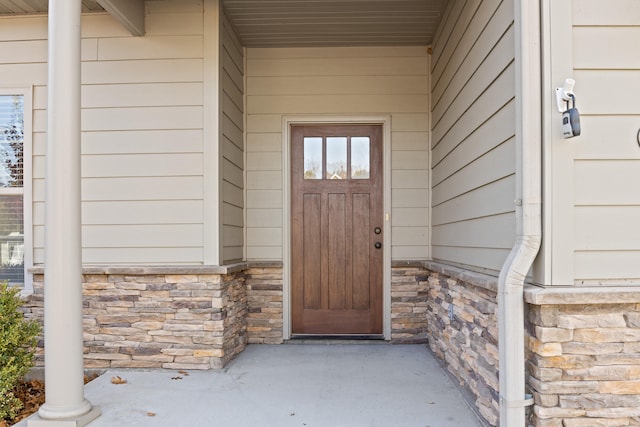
232 145
473 135
142 165
338 81
606 164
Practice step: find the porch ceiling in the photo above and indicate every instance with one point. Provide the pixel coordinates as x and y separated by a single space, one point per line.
280 23
21 7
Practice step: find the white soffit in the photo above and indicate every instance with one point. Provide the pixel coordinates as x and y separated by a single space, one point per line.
281 23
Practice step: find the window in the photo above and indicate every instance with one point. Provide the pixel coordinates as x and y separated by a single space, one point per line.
15 136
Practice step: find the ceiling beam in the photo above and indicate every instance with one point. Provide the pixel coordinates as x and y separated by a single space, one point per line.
130 13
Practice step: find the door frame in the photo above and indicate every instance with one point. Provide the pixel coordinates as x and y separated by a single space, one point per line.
287 122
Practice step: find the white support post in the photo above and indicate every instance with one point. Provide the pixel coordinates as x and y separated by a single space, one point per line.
65 404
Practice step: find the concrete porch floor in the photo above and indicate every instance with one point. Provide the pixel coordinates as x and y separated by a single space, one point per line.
314 385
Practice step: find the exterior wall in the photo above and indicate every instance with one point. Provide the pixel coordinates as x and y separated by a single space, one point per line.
583 357
265 298
142 118
158 318
597 240
462 318
349 81
232 145
473 128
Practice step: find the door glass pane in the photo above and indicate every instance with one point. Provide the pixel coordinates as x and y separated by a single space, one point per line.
360 160
337 157
312 158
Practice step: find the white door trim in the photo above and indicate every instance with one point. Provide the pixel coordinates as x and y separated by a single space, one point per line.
287 122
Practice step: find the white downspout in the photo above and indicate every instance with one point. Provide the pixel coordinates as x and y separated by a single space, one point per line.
528 213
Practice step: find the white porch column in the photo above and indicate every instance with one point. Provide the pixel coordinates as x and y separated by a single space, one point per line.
64 371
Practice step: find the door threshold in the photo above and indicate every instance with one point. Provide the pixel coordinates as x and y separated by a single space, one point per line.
336 339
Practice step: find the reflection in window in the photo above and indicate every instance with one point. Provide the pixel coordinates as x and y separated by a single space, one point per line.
337 157
11 189
312 158
360 161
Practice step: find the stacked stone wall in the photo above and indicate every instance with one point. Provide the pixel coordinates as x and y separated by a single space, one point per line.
584 363
463 332
265 300
152 320
409 292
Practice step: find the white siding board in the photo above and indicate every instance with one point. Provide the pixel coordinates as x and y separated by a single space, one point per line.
138 256
609 266
174 24
265 218
481 232
257 236
264 253
608 92
232 194
410 123
232 173
264 199
492 166
137 71
484 201
336 67
328 81
320 104
233 153
459 100
410 236
142 188
139 212
598 13
608 228
410 141
232 215
232 91
171 7
160 47
337 85
452 155
259 142
410 160
472 141
123 236
461 26
134 118
142 142
606 182
487 260
609 137
142 95
232 235
475 44
264 180
18 74
331 52
409 252
410 198
264 161
410 178
444 31
122 165
615 41
492 99
410 217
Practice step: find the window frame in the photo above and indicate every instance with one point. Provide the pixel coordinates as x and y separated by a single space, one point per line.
27 179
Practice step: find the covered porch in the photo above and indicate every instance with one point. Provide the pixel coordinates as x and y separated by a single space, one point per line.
325 384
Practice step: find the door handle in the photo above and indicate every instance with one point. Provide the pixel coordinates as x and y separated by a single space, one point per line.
378 245
377 230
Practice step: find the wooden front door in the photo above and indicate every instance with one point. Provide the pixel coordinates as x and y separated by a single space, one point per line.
336 229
